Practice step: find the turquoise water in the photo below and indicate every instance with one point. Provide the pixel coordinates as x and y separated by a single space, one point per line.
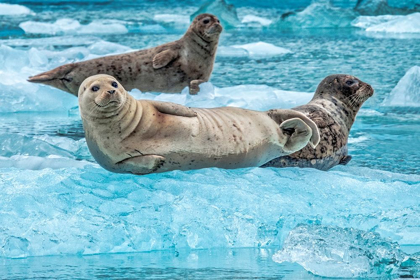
62 216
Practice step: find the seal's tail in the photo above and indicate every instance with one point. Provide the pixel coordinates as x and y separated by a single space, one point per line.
57 77
281 115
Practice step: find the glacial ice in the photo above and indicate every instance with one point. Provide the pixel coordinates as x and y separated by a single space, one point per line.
387 7
407 92
345 252
317 15
225 12
251 19
12 10
252 50
389 24
54 207
71 26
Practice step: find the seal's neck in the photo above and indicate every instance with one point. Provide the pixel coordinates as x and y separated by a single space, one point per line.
123 120
202 46
338 109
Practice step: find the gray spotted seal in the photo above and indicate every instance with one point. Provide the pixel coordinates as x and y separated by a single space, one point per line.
167 68
333 108
126 135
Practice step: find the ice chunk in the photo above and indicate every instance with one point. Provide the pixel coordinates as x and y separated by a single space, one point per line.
317 15
369 21
407 91
52 41
12 10
225 12
344 252
249 19
253 50
71 26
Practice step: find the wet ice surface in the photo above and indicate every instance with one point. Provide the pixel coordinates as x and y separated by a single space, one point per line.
56 200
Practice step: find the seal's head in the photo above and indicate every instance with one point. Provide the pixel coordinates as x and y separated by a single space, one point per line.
346 88
207 27
101 94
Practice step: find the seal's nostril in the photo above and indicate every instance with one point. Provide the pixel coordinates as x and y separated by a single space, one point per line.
111 91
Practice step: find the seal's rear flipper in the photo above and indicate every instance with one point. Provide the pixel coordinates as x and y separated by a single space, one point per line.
57 77
173 109
281 115
345 160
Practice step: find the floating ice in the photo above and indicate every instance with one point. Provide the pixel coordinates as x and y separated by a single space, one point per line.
344 252
407 92
71 26
12 10
52 41
253 50
317 15
225 12
87 210
255 19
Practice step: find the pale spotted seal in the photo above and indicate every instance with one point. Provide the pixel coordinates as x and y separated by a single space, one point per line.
167 68
126 135
333 108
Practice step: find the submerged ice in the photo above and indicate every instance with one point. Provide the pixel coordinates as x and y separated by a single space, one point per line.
346 252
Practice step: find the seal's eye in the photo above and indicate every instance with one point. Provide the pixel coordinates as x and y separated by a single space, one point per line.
206 21
95 88
114 84
349 82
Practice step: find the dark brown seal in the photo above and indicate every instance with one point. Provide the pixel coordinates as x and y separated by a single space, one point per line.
333 108
167 68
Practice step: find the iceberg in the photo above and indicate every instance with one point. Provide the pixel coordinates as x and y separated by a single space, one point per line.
253 50
407 92
71 26
346 252
13 10
317 15
384 7
389 23
225 12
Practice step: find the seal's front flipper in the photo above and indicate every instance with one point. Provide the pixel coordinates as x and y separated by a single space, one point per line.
194 86
345 160
281 115
141 164
173 109
58 77
164 58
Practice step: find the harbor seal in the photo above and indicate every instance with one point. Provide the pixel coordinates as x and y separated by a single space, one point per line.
126 135
167 68
333 108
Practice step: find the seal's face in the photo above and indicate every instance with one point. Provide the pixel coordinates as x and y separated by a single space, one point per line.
346 88
207 26
101 93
